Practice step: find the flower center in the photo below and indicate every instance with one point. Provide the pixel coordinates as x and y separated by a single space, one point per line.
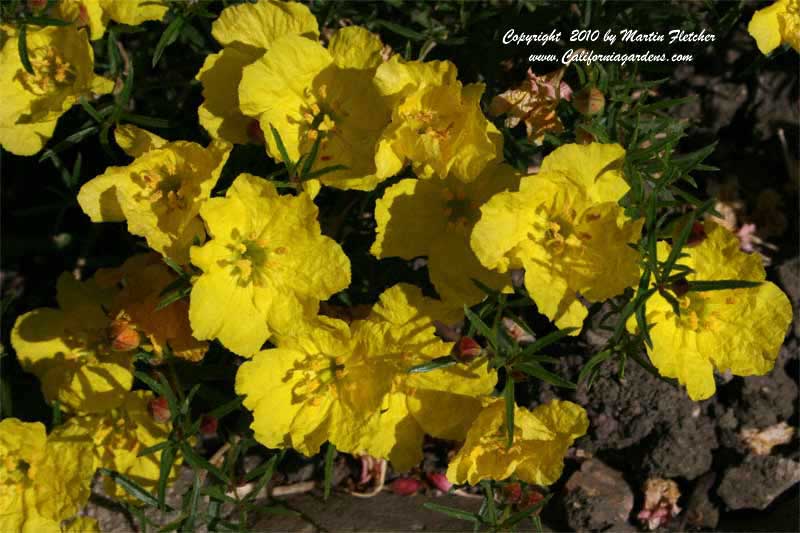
461 212
318 377
50 72
164 189
790 23
701 311
15 470
252 259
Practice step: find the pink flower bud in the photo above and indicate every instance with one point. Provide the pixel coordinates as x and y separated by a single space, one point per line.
439 481
468 349
208 425
406 486
159 409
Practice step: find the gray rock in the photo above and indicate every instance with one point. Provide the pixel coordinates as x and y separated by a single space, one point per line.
597 498
758 481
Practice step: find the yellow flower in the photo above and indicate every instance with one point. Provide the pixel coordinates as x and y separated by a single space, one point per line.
541 438
267 260
775 25
160 192
70 351
245 32
306 92
96 13
349 385
42 480
434 218
565 228
736 330
534 102
437 124
119 435
141 279
63 64
442 403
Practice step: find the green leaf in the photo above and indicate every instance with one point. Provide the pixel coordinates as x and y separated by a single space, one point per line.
330 453
312 156
592 363
282 150
46 21
538 371
200 463
150 382
141 120
439 362
401 30
721 285
131 487
683 236
324 170
546 341
168 37
453 512
508 396
522 515
22 47
164 467
75 138
481 327
89 108
154 448
268 471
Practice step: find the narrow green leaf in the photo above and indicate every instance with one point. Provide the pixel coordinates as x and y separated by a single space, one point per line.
546 341
22 47
538 371
508 396
150 382
141 120
401 30
522 515
312 156
282 150
592 363
164 467
131 487
269 470
488 497
168 37
89 108
723 284
481 327
46 21
154 448
439 362
452 512
75 138
330 453
200 463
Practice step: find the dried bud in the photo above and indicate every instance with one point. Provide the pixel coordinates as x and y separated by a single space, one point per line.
37 5
680 287
255 133
468 349
406 486
208 425
589 101
440 481
159 409
530 499
512 493
123 336
697 235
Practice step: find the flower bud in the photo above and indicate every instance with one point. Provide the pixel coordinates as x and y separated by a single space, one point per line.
406 486
468 349
530 499
123 336
697 235
512 493
589 101
680 287
255 133
159 409
208 425
439 481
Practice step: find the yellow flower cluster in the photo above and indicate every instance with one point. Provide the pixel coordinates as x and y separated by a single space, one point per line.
256 265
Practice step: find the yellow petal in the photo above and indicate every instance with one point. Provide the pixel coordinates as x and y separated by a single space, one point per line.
356 47
257 25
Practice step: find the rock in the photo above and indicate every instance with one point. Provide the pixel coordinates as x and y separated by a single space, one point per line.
683 447
758 481
789 277
597 498
701 513
767 400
